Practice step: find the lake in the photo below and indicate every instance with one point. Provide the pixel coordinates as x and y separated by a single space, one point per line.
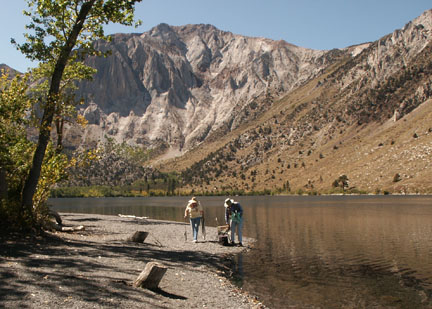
314 251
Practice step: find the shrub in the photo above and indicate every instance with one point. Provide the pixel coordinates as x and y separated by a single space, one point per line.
397 177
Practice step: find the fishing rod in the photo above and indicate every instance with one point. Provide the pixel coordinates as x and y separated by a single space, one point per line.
185 232
203 228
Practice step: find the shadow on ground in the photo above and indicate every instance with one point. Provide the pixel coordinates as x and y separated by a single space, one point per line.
92 271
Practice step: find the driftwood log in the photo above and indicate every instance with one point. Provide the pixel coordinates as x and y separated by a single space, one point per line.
61 228
138 236
72 228
132 216
151 276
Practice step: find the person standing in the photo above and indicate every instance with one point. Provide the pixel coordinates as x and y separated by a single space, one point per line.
195 213
234 219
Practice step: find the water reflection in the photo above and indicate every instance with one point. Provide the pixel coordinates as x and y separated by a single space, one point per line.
316 251
160 208
336 252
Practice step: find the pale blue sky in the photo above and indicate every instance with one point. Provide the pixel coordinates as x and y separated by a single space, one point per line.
317 24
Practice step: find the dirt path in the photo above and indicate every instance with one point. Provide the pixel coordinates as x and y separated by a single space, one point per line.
95 268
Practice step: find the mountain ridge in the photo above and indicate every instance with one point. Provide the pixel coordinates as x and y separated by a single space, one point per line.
182 83
229 112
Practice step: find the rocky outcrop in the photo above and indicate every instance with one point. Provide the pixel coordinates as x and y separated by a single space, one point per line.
180 84
381 78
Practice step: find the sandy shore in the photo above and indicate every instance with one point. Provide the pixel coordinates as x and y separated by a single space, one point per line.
95 268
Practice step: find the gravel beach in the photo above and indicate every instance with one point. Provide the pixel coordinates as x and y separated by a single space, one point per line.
95 267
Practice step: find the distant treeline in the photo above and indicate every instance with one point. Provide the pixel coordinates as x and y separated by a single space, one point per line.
137 191
133 191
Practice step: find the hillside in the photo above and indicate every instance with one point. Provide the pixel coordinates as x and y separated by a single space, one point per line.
6 68
366 117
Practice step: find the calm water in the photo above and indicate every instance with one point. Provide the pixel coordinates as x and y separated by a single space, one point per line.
315 252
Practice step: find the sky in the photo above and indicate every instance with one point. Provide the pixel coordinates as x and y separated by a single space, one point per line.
316 24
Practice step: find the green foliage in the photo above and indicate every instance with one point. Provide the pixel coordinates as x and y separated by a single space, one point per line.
15 149
15 156
137 190
397 177
53 23
59 36
342 182
111 164
13 104
115 170
300 192
98 191
53 171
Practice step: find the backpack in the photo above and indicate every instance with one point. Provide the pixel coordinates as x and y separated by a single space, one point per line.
236 217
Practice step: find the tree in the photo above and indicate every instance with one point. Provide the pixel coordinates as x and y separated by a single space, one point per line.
63 32
397 177
16 152
14 146
341 181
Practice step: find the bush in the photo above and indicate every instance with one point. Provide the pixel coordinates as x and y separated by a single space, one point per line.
397 177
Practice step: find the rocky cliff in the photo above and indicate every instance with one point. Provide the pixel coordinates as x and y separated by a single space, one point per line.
175 86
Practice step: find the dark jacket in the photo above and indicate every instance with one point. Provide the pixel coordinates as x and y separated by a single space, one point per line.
235 208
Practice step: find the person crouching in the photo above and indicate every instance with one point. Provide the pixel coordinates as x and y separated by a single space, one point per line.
234 218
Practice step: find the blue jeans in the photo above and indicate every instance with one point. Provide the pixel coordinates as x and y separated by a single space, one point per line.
236 225
195 223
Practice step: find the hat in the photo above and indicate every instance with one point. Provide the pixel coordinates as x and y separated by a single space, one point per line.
228 202
192 201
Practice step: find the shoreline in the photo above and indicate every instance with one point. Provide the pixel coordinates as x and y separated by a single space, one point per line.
95 267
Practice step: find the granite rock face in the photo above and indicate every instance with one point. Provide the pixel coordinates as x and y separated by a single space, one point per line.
176 85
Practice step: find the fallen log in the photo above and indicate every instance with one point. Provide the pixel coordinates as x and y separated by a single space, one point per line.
60 228
72 228
151 276
132 216
138 236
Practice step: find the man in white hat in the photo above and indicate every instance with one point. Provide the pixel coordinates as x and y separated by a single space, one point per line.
195 213
234 218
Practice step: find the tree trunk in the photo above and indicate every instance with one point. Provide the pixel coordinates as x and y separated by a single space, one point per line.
151 276
49 110
59 127
3 184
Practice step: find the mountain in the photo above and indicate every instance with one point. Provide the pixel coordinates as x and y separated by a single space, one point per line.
366 116
250 114
6 68
173 87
